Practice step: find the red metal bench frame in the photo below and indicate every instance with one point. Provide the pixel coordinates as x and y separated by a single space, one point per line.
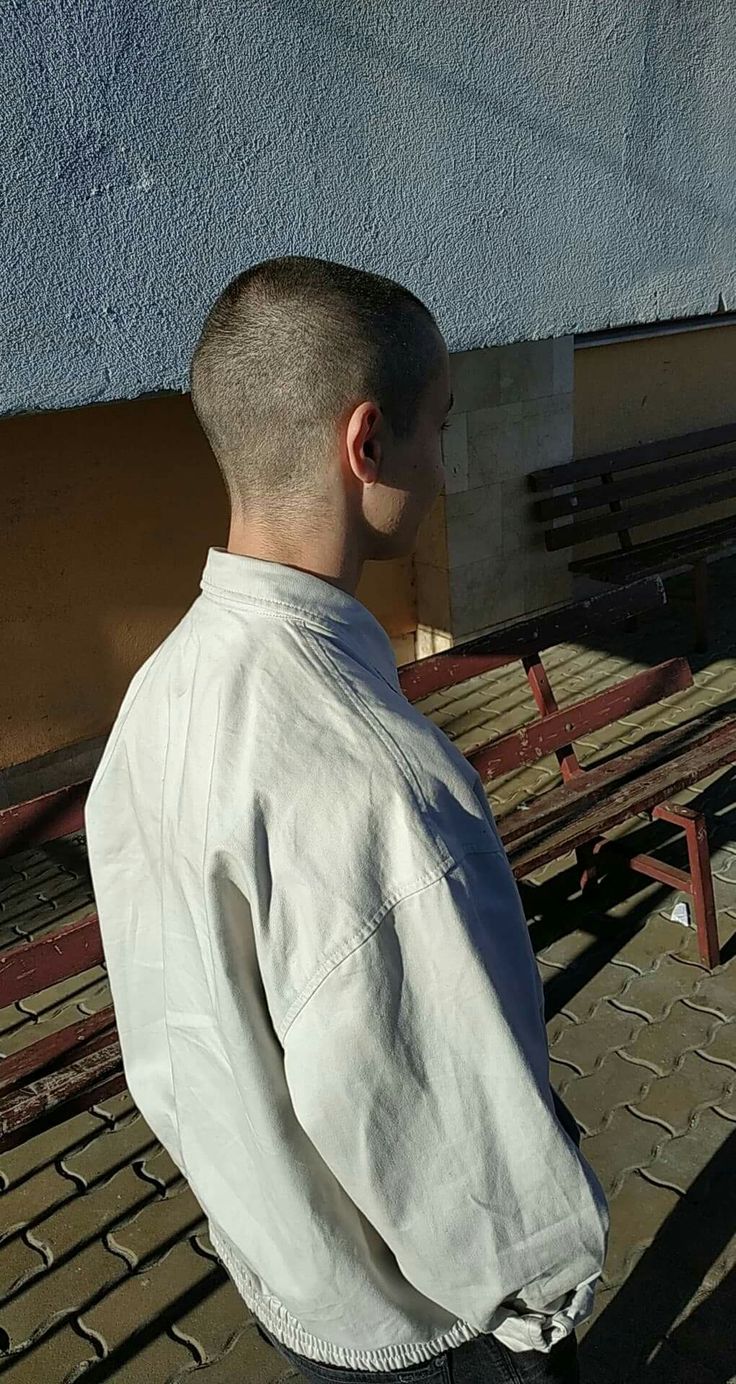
658 768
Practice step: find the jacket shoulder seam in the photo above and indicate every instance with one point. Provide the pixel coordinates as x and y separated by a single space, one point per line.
332 963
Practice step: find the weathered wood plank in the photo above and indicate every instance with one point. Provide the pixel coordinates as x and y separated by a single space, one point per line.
625 458
30 1062
580 812
23 1107
644 483
561 728
33 966
660 554
567 535
43 819
573 621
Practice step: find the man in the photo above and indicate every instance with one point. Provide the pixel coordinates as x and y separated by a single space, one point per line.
328 1005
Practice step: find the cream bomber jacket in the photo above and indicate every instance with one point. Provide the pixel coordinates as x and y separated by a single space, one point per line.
328 1005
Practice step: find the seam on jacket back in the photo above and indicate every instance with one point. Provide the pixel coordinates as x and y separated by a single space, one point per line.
370 928
397 754
112 741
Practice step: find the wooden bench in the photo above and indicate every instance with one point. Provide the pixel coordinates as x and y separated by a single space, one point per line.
81 1064
638 486
69 1070
575 815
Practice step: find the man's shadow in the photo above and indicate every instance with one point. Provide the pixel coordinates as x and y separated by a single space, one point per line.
621 1345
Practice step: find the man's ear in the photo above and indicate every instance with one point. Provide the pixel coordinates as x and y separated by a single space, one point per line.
363 442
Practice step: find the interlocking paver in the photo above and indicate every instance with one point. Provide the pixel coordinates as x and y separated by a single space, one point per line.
627 1143
107 1206
722 1045
29 908
214 1324
653 993
675 1100
566 950
33 1197
557 1026
609 982
54 1359
98 997
58 1291
724 869
109 1151
32 1030
160 1167
638 1212
726 1104
594 1099
73 990
655 939
717 991
684 1159
667 1366
159 1225
14 888
60 886
30 1158
703 1338
133 1320
587 1045
248 1359
661 1046
20 1259
114 1109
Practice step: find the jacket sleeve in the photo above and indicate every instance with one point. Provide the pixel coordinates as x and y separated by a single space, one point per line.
419 1070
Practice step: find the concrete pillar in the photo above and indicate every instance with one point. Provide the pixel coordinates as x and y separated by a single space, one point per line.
481 559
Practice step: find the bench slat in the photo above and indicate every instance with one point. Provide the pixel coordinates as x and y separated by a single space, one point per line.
660 554
552 732
43 819
610 801
625 458
30 1062
569 534
646 483
92 1077
573 621
33 966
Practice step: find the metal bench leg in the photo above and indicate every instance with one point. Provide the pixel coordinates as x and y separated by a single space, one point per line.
694 825
587 861
700 583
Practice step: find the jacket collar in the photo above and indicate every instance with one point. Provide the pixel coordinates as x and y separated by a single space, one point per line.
299 595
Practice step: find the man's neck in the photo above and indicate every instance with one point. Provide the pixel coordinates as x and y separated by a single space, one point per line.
331 562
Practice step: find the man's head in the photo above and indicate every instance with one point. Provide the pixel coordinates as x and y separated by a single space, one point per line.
322 390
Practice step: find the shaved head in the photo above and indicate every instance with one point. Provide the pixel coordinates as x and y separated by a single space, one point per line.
288 349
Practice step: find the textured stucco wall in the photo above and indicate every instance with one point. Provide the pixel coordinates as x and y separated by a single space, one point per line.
529 169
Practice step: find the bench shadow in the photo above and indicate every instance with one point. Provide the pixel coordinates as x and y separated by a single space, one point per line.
557 908
623 1342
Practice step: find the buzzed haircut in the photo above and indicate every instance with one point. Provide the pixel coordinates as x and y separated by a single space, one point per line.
288 346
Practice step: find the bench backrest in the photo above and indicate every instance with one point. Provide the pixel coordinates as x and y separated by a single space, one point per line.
556 729
634 487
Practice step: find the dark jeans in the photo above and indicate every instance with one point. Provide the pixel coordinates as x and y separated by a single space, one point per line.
480 1361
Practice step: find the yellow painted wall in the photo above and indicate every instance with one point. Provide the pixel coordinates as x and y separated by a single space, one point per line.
651 388
654 387
106 517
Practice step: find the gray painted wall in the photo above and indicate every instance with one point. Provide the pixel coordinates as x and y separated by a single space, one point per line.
529 167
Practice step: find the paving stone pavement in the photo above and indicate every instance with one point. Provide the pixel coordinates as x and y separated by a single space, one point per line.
106 1269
